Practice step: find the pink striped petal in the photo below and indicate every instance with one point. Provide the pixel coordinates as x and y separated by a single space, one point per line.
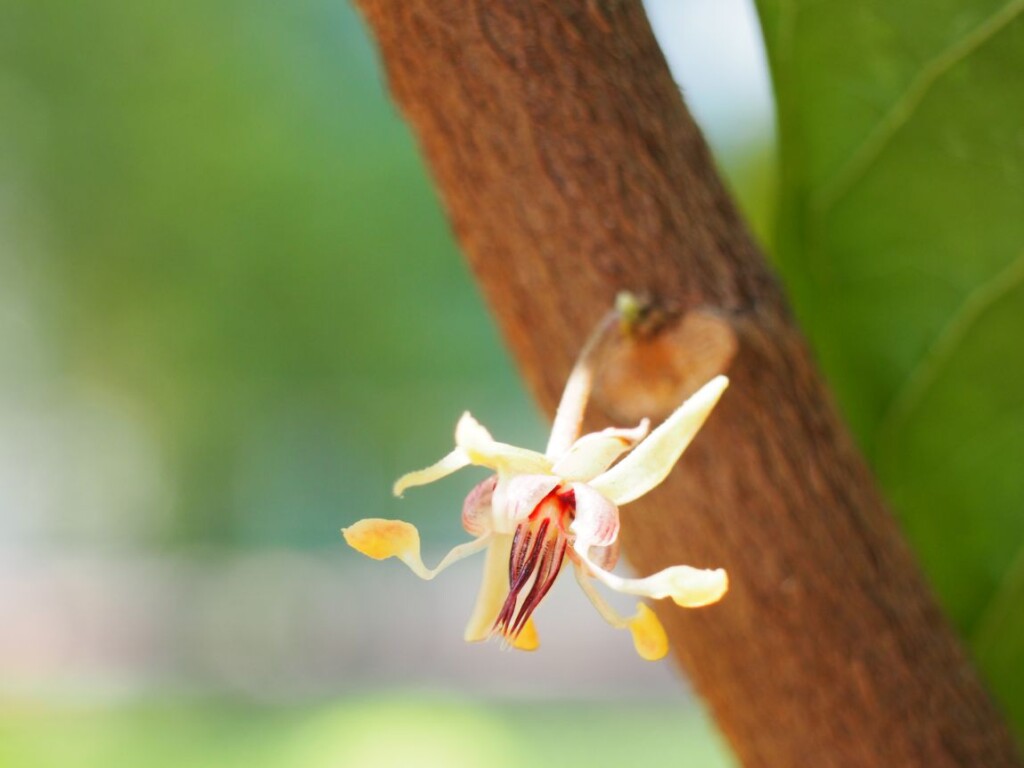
516 497
477 509
597 519
605 557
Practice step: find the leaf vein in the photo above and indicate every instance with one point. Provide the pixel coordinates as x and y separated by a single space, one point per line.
928 368
829 193
999 607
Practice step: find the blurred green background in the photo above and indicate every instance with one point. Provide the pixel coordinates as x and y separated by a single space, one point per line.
231 313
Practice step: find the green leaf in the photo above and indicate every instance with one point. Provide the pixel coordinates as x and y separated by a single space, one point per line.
901 236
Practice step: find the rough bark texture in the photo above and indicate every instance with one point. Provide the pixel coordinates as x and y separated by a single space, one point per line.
571 170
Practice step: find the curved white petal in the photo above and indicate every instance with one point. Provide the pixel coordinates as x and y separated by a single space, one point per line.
453 462
649 636
597 520
592 454
478 508
688 587
517 496
652 460
569 414
381 539
603 607
477 443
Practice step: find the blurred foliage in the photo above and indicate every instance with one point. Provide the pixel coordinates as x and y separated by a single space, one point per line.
901 236
359 732
226 232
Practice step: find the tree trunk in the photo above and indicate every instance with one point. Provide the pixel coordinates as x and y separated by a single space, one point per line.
571 170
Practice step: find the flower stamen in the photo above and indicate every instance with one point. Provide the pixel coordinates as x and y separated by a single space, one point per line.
539 546
550 565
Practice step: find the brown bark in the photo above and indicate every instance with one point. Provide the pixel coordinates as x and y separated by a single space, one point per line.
571 170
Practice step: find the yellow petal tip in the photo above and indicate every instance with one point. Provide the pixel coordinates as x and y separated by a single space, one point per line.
528 639
381 539
649 636
699 588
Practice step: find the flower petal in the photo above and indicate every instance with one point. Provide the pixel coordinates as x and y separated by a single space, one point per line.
649 636
652 460
454 461
592 454
517 496
688 587
493 589
569 414
597 519
477 443
477 509
605 557
381 539
527 639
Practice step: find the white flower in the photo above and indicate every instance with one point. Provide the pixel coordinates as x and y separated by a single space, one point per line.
540 509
